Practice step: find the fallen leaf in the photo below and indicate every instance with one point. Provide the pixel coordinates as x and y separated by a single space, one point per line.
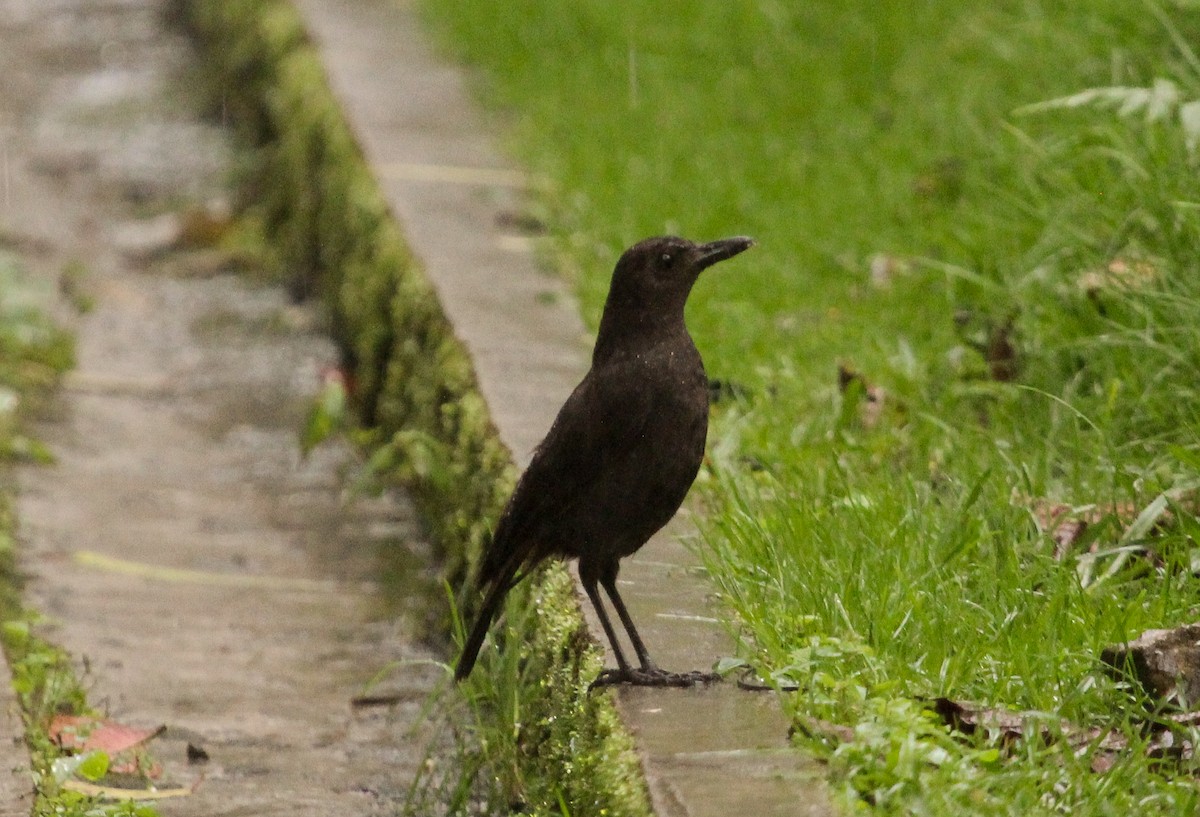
1001 352
1004 726
1067 524
84 733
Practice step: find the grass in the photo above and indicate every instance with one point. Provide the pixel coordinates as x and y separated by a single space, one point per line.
873 561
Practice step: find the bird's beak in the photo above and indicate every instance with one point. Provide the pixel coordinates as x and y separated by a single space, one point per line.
726 248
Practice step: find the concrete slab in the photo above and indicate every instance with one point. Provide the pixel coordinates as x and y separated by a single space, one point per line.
715 751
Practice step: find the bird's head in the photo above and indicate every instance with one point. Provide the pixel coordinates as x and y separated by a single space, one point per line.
658 273
652 281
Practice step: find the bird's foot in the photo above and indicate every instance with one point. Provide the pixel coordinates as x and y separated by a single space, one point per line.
653 677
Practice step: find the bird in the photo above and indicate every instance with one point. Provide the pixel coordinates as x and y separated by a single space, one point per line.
621 454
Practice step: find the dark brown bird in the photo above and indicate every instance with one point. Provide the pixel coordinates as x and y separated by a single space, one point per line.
623 451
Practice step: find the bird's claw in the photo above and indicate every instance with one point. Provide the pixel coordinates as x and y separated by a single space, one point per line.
653 678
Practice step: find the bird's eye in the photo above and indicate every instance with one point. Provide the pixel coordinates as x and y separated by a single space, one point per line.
667 258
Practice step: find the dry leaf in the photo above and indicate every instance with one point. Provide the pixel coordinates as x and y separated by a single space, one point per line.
84 733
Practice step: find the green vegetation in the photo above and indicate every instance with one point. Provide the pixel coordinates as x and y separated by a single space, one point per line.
1017 285
521 744
33 353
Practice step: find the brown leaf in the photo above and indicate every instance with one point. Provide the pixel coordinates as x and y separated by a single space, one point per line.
84 733
1003 725
1001 352
1066 524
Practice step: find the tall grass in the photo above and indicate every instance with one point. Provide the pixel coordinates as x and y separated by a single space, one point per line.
915 539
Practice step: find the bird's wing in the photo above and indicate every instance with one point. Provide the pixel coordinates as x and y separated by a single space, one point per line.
590 440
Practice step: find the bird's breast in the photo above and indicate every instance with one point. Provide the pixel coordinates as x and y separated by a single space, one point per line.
675 424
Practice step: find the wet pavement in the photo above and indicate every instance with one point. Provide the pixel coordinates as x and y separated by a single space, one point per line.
204 575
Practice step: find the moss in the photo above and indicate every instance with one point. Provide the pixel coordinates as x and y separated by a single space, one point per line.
9 578
570 729
330 225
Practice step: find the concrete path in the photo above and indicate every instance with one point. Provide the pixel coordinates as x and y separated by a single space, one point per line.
714 752
205 577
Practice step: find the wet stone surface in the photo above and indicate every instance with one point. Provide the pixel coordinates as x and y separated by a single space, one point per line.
205 575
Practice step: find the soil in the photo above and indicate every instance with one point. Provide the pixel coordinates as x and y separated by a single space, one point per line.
205 575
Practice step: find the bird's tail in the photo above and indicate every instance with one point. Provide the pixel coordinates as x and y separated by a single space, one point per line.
491 605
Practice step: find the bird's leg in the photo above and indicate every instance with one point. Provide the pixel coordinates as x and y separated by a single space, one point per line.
589 585
609 581
648 674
